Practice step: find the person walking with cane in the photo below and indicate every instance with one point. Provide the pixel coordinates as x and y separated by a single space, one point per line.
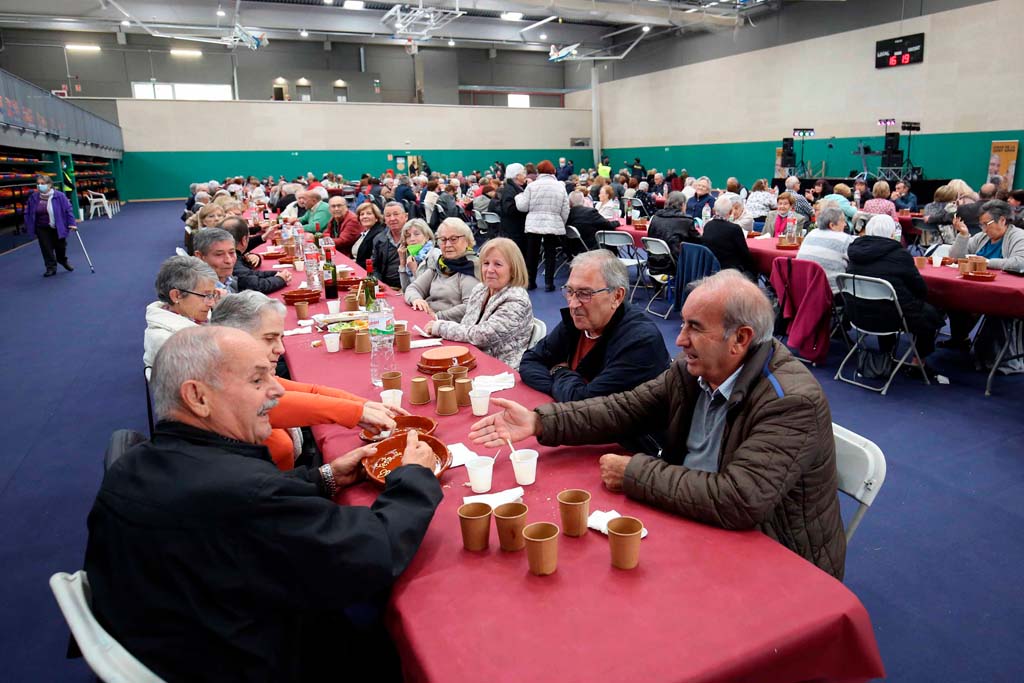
48 216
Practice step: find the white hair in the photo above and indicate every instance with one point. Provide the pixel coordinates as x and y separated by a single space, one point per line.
881 225
792 183
723 206
181 273
189 354
244 310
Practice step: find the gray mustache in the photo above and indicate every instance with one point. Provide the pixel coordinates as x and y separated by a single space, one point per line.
267 407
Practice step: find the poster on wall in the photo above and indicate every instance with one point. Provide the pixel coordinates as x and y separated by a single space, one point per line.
1002 163
780 170
400 164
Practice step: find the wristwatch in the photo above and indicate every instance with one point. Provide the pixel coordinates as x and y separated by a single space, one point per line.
554 370
329 483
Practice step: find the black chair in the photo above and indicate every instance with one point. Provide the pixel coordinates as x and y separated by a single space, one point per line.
121 441
149 400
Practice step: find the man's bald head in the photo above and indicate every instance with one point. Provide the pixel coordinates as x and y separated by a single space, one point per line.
743 303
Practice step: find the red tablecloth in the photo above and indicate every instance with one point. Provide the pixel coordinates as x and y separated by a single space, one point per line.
637 233
1002 297
659 201
704 605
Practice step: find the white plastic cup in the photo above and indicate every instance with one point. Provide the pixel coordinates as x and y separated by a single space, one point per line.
480 399
333 306
936 260
480 470
524 464
332 342
391 397
300 265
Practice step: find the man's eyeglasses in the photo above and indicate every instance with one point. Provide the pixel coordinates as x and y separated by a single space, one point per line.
582 295
209 297
449 240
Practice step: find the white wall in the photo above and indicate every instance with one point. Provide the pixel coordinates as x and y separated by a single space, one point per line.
164 126
969 81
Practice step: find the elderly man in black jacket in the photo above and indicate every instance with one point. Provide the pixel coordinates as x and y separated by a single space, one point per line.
245 273
603 345
587 220
674 227
209 564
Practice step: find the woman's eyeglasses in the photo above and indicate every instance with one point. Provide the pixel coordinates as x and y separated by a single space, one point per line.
449 240
209 297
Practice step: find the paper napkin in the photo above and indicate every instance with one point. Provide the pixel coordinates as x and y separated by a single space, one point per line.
460 454
495 499
598 521
423 343
492 383
298 330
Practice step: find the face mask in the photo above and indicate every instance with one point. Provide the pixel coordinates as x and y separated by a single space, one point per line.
43 187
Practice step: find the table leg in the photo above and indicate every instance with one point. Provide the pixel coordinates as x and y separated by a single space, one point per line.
1009 331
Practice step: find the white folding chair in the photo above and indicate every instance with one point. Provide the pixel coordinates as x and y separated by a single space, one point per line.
638 206
98 202
874 293
655 247
616 239
860 465
573 244
106 657
940 250
493 222
180 251
860 220
540 330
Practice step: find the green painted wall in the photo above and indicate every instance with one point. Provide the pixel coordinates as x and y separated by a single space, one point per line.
947 155
161 175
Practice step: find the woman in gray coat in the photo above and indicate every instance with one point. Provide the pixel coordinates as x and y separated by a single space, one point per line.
546 204
444 282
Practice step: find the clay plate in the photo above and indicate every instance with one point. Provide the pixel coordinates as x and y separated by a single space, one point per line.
787 247
440 358
271 255
377 468
296 295
403 423
983 276
345 284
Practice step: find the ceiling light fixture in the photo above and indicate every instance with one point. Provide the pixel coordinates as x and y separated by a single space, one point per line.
304 33
79 47
353 4
645 29
328 2
543 36
302 81
691 10
512 16
125 22
221 13
280 79
178 52
451 42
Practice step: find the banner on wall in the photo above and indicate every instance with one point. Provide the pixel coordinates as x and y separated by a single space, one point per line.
780 170
1002 163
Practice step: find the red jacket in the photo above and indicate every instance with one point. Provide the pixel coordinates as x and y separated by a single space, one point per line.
806 300
346 234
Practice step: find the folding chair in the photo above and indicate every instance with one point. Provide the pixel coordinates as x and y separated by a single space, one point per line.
860 220
146 372
107 658
493 222
880 297
98 202
639 206
573 244
788 278
666 282
860 465
940 250
121 441
540 330
616 240
696 262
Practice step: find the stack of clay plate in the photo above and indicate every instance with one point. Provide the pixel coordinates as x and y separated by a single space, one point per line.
441 358
296 295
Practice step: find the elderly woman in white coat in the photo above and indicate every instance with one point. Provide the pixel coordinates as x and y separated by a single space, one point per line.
499 312
546 205
186 290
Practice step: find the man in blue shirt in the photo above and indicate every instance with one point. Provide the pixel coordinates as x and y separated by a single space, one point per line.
903 198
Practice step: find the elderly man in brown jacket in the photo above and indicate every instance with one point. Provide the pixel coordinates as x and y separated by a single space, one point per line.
749 439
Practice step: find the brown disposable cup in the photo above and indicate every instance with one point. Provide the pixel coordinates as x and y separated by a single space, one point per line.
921 261
510 519
441 379
402 340
462 389
978 263
624 539
964 265
419 391
401 326
351 304
458 371
475 520
362 342
446 403
574 506
361 298
348 338
541 547
392 380
302 310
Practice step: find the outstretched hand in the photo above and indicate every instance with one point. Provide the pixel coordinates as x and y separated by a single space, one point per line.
514 423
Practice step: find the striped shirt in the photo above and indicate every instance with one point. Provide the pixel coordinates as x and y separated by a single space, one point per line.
827 248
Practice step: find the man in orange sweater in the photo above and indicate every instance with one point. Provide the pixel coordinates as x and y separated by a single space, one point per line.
302 405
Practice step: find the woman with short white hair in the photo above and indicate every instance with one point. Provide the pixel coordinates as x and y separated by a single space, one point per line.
186 290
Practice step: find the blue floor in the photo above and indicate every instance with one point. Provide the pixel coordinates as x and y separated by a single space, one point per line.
936 561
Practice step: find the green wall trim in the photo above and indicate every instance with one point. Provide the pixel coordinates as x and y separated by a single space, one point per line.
160 175
941 155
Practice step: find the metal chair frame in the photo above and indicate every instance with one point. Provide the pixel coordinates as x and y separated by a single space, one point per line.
618 240
657 247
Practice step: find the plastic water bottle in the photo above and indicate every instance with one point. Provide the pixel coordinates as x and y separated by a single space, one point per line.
312 258
791 231
898 233
705 215
381 319
856 198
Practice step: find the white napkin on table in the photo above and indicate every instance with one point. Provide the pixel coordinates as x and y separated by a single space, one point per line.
420 331
493 383
298 330
598 521
282 266
422 343
305 323
460 454
495 499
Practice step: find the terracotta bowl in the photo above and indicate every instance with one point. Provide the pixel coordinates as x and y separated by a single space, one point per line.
440 358
388 456
403 423
271 255
345 284
296 295
980 276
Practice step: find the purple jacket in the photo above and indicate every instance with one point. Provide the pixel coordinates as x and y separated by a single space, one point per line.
63 215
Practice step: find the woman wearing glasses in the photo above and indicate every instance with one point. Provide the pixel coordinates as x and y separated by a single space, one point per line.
498 313
446 279
186 290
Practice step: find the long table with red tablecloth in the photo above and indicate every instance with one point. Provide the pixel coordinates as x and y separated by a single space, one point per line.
704 605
